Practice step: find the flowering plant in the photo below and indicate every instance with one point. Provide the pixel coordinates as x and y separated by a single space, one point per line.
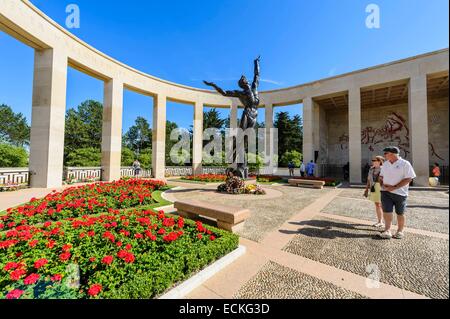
254 189
82 200
236 185
119 254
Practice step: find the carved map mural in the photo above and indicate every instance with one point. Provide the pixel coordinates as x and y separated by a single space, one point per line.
394 131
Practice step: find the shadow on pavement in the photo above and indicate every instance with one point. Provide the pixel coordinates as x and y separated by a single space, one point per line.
330 230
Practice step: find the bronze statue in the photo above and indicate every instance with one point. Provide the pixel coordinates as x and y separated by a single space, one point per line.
249 97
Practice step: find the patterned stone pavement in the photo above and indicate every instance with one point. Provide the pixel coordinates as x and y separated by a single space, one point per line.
416 263
268 212
275 281
308 243
425 212
319 244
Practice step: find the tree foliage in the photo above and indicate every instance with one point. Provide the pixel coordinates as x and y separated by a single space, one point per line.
212 119
128 156
84 157
290 133
145 158
139 136
291 156
13 156
83 128
14 128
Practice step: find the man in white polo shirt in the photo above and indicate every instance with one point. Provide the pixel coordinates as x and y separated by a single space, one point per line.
396 175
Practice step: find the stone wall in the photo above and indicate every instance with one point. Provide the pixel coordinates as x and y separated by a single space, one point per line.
388 125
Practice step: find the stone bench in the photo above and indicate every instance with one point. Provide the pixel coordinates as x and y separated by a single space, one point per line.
228 217
306 182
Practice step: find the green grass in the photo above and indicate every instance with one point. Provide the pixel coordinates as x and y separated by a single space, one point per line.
280 181
156 196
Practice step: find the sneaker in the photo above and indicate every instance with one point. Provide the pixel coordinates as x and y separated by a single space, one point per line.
399 235
378 225
386 234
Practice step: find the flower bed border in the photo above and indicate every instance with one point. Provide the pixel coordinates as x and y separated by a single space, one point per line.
190 284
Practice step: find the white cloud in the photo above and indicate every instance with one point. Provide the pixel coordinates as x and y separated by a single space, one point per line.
271 81
332 72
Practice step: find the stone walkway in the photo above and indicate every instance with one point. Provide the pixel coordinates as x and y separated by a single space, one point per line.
307 243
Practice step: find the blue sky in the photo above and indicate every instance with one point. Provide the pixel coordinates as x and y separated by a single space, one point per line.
188 41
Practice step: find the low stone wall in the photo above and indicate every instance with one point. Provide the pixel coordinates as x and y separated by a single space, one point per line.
82 173
14 176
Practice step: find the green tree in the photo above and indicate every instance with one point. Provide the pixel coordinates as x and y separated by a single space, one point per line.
212 119
128 156
145 158
138 136
255 161
84 157
290 132
179 158
170 126
13 156
14 128
291 156
83 128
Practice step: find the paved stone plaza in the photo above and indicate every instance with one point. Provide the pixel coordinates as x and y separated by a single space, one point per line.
307 243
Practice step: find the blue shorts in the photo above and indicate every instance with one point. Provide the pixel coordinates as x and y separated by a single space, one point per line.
389 201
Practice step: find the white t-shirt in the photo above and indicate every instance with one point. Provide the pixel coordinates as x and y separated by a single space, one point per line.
394 173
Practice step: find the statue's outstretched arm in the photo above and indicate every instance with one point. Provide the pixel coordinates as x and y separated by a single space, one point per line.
221 91
255 83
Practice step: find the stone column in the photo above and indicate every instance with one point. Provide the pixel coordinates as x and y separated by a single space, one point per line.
268 122
112 130
197 143
48 118
418 128
308 130
316 138
159 137
233 126
354 133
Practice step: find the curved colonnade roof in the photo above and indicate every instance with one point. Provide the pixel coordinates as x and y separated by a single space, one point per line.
22 20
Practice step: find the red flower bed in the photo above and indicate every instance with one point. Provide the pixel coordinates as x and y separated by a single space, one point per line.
82 200
112 251
207 178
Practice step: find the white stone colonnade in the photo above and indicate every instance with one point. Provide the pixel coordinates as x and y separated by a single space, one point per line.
57 49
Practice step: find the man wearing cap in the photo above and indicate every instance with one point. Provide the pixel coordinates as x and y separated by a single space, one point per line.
395 176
